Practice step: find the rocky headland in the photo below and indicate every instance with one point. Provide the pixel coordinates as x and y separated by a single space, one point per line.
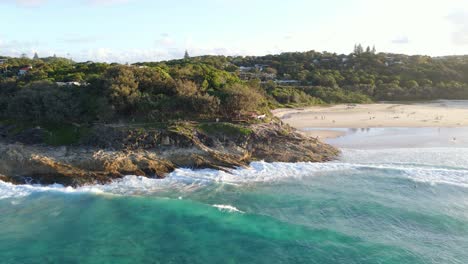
108 152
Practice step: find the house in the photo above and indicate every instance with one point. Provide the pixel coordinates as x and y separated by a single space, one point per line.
68 83
23 71
258 67
287 82
261 67
392 61
2 61
245 69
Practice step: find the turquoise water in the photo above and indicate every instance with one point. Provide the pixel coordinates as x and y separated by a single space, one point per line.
372 206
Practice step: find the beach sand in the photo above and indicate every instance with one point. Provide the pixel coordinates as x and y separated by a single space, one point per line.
437 114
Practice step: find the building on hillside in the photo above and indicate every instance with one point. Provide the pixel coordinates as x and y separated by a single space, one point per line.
23 71
245 69
2 61
261 67
258 67
68 83
257 75
288 82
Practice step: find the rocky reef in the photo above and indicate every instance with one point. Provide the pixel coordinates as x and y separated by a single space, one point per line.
109 152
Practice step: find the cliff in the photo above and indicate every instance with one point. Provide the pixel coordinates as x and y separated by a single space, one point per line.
110 152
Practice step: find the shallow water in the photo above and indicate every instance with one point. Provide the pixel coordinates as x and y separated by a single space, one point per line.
399 137
375 205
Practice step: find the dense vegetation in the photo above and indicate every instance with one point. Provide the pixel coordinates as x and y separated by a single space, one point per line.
57 90
378 76
112 93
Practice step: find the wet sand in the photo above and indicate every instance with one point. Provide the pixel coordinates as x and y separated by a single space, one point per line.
401 137
420 115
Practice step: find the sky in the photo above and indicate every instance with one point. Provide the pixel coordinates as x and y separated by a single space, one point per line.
154 30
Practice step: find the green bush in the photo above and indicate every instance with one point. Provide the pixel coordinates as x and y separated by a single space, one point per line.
61 134
227 129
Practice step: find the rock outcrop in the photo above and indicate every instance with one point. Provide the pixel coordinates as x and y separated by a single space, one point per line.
109 153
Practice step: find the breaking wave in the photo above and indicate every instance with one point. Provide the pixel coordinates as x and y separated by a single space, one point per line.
433 166
227 208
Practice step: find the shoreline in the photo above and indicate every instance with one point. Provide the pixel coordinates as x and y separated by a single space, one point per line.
323 134
321 121
110 153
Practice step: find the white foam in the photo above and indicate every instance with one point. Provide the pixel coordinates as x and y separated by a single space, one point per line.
227 208
433 157
435 166
8 190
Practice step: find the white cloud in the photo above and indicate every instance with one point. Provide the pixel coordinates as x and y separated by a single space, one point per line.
36 3
401 40
80 40
460 21
24 3
30 2
107 2
165 40
19 45
387 24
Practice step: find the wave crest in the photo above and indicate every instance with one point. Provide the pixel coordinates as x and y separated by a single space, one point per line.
434 166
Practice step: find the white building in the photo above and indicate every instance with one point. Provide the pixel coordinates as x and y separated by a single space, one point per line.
245 69
287 82
68 83
24 70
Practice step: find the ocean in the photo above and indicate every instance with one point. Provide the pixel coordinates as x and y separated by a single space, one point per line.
395 195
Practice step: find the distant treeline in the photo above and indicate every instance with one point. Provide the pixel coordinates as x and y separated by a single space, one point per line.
214 87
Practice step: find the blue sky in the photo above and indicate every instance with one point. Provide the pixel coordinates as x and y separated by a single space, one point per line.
145 30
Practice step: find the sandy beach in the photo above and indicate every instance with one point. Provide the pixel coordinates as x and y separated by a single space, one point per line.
437 114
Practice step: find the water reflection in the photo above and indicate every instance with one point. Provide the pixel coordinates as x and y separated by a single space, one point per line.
399 137
356 130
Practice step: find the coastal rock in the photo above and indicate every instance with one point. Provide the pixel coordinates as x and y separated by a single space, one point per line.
280 143
155 153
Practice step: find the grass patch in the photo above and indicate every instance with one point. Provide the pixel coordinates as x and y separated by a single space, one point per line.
183 128
227 129
64 134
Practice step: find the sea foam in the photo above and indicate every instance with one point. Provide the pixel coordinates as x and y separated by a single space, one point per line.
433 166
227 208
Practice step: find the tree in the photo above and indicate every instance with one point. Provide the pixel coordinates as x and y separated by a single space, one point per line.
43 101
155 81
373 50
36 57
411 84
358 49
186 55
186 88
121 89
205 104
239 98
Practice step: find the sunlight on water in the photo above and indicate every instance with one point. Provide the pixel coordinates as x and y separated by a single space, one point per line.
405 205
